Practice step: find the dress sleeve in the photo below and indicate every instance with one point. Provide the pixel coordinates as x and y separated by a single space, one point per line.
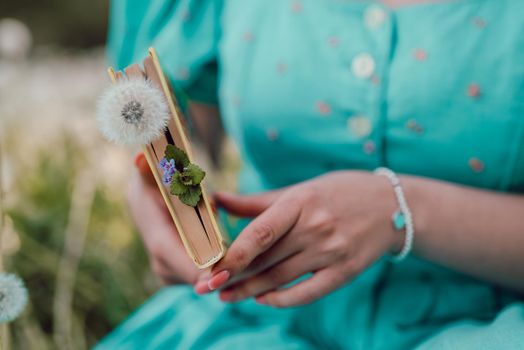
185 34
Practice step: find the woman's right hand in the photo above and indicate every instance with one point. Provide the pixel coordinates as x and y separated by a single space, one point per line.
167 256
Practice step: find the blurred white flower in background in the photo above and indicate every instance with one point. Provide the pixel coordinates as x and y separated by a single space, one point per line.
13 297
15 39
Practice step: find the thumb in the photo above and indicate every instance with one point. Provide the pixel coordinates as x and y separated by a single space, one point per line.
246 205
144 170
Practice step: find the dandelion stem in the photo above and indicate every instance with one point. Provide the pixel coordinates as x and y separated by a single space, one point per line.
75 234
2 206
4 336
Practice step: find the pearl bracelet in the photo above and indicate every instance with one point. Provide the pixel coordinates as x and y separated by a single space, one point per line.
402 218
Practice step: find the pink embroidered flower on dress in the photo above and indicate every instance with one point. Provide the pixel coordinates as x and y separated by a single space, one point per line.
296 6
420 54
474 90
323 108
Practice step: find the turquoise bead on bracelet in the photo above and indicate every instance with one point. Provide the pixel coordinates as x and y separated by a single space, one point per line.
399 220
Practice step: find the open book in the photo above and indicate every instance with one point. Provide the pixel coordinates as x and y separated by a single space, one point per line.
195 223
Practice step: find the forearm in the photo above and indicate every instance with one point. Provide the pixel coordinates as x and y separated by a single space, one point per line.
478 232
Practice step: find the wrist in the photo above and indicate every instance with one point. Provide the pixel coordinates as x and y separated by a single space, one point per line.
415 195
398 241
402 218
390 206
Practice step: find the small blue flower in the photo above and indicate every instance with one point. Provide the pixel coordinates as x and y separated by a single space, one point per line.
169 170
163 163
167 164
166 178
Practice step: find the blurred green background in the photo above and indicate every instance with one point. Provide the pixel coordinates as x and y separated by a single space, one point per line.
64 23
66 229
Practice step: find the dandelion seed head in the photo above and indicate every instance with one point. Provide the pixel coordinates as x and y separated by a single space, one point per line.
133 111
13 297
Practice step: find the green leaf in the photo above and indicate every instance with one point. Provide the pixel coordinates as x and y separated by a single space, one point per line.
186 181
192 175
178 154
191 197
177 188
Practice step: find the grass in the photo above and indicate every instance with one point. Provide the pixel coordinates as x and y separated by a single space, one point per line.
111 275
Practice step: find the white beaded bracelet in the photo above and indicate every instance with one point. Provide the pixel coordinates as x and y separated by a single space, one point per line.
402 218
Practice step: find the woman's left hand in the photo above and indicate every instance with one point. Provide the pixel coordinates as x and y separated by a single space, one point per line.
333 226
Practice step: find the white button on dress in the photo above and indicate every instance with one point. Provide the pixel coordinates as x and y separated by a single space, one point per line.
363 66
374 16
359 125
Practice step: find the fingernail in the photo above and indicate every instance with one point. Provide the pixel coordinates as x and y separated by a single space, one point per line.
201 287
139 158
226 296
218 280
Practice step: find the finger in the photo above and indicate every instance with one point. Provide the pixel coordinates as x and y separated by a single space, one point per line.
286 247
144 169
179 262
200 286
256 238
146 177
168 280
147 205
273 278
305 292
170 257
159 202
246 205
163 273
163 270
167 277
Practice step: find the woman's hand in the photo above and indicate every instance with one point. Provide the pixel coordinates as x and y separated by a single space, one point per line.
333 226
168 258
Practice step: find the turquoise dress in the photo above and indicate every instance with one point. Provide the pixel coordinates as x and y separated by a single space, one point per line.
307 87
